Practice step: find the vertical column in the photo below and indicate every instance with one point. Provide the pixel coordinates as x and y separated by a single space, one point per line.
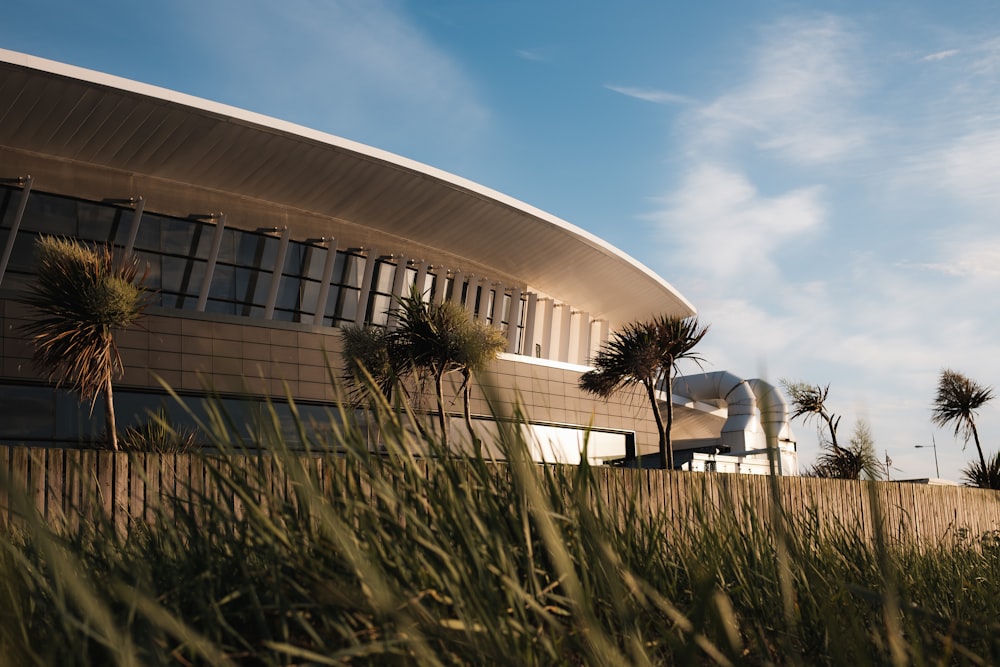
279 268
485 299
398 283
366 286
213 257
583 350
440 284
133 230
324 287
456 287
421 279
470 295
528 337
547 322
513 318
602 335
15 224
565 316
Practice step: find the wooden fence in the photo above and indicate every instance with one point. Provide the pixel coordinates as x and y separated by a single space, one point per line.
67 487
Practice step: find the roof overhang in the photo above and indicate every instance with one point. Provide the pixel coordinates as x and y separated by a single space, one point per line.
91 118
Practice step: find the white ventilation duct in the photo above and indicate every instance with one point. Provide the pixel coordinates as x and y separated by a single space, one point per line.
742 430
773 415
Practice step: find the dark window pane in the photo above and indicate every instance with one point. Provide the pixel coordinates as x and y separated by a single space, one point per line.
26 412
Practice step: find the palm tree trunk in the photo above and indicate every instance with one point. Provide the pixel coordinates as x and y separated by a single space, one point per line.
467 410
442 420
651 392
109 414
975 436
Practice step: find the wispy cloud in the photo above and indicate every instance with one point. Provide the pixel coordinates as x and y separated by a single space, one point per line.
940 55
651 95
534 55
798 101
719 225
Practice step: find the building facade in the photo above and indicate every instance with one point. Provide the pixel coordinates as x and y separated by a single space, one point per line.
262 238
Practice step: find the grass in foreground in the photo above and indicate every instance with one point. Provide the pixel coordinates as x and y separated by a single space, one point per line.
434 560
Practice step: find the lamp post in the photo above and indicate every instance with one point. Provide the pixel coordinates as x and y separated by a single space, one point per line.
933 445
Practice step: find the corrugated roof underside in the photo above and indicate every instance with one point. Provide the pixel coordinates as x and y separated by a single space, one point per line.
85 122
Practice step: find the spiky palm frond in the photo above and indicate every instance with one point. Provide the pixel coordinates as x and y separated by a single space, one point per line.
644 353
984 477
809 401
958 398
81 295
367 350
430 340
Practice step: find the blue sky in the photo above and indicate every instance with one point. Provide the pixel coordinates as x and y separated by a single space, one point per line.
820 179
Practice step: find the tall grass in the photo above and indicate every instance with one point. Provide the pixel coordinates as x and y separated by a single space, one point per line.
414 556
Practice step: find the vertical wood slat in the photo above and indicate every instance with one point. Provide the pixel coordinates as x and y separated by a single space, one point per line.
67 487
120 506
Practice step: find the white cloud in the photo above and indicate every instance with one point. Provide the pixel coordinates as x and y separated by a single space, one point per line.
719 225
651 95
940 55
798 100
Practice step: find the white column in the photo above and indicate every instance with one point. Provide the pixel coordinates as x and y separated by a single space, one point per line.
213 257
15 225
583 349
456 287
513 318
470 295
528 338
421 279
366 286
324 287
602 332
565 316
398 284
546 319
440 284
279 267
486 301
133 230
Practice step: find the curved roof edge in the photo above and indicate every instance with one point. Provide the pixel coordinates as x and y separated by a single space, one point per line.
672 298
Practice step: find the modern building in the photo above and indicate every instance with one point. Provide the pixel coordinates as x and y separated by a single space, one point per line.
263 237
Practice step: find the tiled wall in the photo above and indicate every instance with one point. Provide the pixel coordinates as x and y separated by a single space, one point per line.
195 351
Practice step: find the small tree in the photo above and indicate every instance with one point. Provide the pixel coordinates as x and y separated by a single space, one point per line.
81 295
857 459
958 398
367 351
646 354
441 338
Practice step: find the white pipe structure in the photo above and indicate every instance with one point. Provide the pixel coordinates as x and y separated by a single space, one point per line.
773 414
742 430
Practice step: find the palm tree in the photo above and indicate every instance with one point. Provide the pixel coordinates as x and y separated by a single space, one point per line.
958 398
81 295
441 338
850 462
367 354
809 400
646 354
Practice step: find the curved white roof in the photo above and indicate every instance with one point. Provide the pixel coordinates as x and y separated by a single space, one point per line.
89 117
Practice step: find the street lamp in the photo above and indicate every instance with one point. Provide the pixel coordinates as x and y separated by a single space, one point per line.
933 444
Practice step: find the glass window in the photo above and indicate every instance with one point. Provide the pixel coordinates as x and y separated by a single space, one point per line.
27 412
99 222
48 214
256 250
